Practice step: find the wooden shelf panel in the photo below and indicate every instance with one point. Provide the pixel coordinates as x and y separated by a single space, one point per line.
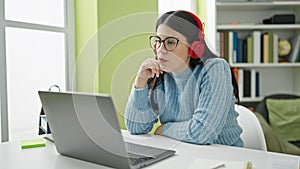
256 5
264 65
259 27
249 99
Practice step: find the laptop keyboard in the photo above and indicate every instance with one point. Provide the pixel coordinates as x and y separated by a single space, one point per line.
136 158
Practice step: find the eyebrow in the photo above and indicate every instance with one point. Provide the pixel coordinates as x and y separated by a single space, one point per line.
169 37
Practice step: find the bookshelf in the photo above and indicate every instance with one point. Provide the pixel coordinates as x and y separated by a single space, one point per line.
244 18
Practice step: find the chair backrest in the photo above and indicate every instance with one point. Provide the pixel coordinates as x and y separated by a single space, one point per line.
262 106
252 135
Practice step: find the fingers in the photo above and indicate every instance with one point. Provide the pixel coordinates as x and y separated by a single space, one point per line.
150 68
155 69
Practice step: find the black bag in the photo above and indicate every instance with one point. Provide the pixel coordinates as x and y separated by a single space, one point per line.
280 19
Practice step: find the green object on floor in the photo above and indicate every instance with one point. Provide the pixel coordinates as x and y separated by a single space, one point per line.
33 143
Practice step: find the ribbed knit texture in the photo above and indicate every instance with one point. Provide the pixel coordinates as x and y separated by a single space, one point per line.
195 107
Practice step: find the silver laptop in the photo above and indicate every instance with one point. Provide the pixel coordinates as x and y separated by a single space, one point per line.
86 127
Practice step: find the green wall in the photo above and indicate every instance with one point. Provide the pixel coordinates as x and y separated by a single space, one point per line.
201 11
111 43
86 26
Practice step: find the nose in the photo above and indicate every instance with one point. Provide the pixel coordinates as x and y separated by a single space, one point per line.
162 49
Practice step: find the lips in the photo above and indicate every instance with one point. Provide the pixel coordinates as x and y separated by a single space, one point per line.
162 60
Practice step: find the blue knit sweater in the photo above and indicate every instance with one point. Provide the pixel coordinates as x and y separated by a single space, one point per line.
195 106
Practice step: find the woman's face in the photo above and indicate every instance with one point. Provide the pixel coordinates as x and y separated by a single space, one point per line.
177 60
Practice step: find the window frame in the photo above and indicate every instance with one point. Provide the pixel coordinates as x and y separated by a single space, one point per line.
68 30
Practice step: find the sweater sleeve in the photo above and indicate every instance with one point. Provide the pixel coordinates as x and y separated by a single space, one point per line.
139 116
212 109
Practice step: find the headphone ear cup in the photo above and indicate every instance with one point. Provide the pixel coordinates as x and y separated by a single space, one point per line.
196 49
154 48
155 52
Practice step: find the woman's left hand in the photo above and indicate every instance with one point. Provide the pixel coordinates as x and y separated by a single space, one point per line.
159 130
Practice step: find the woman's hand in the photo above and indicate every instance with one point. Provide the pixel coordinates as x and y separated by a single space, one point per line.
159 130
148 69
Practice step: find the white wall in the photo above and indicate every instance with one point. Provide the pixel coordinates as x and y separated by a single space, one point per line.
211 22
171 5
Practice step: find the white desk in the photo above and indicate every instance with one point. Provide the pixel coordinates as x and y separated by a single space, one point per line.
13 157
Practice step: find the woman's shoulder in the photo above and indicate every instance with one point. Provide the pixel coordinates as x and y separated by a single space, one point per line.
215 61
212 65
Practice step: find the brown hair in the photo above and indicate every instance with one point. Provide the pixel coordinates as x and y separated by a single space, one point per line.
184 23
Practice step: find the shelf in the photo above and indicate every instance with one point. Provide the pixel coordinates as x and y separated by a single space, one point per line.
245 18
264 65
249 99
255 5
259 27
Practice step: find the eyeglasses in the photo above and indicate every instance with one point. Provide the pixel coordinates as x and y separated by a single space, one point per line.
170 43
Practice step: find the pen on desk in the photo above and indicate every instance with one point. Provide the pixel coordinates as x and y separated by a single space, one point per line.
218 166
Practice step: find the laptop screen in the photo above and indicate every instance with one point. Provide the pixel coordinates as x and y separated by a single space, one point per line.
86 127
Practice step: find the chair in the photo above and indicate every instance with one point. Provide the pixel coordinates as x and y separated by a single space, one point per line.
263 110
252 135
262 107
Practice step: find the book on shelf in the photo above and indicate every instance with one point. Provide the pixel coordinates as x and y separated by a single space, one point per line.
218 45
295 42
248 82
230 47
257 84
231 44
271 47
222 37
298 57
240 48
234 47
256 46
254 83
275 48
250 49
265 48
245 51
226 57
241 82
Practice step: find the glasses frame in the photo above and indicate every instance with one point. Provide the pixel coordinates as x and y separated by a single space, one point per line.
163 42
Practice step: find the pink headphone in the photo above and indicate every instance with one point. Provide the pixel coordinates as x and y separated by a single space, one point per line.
196 49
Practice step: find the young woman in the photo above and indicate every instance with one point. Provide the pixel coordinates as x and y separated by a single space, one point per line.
187 87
